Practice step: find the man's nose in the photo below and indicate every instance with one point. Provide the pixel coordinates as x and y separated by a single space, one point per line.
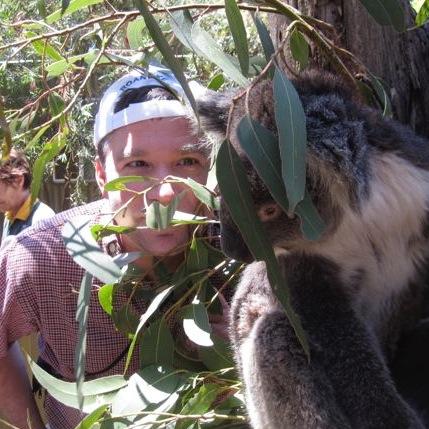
163 193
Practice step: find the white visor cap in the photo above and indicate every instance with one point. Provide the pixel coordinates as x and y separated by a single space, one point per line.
107 121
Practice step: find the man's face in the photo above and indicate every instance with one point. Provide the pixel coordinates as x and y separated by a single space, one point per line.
10 199
156 148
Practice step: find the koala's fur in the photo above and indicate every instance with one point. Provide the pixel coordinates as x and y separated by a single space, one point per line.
356 290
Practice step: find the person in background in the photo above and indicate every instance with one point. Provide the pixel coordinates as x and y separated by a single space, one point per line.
15 196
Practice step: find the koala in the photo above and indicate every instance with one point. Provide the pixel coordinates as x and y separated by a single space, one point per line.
357 289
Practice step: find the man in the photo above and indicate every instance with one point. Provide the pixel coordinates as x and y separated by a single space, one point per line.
15 198
140 129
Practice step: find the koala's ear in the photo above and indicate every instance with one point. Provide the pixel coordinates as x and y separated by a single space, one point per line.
213 108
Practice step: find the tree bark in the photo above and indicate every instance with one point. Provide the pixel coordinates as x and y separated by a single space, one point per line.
400 59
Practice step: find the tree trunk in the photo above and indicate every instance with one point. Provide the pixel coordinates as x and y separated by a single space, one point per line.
400 59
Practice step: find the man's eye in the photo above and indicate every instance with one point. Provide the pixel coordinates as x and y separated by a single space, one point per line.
188 162
137 163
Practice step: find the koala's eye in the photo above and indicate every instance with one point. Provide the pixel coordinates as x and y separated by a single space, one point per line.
269 212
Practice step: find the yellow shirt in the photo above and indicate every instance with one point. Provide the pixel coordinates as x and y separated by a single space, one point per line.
23 212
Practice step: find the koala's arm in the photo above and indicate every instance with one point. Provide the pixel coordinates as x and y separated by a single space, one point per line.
346 383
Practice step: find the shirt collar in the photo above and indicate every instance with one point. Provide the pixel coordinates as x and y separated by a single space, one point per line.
23 212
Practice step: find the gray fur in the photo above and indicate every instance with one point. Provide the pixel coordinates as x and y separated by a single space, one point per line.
356 290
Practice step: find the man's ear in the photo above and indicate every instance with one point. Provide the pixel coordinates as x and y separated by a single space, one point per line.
100 175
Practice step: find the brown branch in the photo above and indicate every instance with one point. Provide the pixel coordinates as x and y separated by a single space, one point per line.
84 82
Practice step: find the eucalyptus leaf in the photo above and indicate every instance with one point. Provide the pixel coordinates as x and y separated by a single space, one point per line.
99 231
181 23
85 251
386 12
199 403
219 356
119 183
291 125
135 33
41 7
262 148
299 48
203 194
151 385
266 41
50 150
235 191
73 6
197 256
153 306
216 82
166 51
82 311
156 345
44 48
159 216
212 52
64 5
95 392
423 13
196 324
105 298
35 140
91 419
239 35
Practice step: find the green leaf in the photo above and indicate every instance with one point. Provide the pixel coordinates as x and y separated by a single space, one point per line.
105 298
181 23
56 106
386 12
216 82
200 403
125 319
182 218
73 6
119 183
41 7
35 140
166 51
219 356
299 48
135 33
262 148
49 152
382 95
151 385
85 251
99 231
238 31
40 48
153 306
159 216
213 53
203 193
423 13
196 324
197 256
89 421
235 190
95 392
82 309
264 36
291 125
156 345
64 5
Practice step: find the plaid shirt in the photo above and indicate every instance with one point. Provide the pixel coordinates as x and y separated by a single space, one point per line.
39 284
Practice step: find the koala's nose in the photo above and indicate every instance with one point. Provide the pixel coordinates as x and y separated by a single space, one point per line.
164 193
269 211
